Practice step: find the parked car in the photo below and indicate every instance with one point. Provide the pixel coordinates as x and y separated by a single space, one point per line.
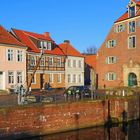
78 90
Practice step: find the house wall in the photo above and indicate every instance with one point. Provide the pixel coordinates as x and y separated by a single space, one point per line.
54 84
121 51
74 70
14 66
46 71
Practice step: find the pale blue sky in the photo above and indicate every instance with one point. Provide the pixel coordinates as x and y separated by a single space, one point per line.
84 22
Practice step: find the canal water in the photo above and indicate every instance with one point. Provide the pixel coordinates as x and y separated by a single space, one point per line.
130 131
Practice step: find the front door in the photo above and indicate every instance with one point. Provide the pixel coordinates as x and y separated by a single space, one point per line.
132 79
41 81
1 80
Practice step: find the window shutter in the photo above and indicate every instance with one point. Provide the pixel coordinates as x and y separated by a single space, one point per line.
106 76
115 29
106 60
123 27
107 44
114 42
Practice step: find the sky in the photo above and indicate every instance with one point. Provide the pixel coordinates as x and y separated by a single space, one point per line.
85 23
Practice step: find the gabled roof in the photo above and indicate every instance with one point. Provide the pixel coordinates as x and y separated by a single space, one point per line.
24 37
7 38
91 60
69 50
125 15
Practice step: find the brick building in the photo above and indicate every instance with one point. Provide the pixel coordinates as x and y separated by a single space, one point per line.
118 59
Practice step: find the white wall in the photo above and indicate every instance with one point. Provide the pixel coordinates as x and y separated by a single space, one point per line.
74 70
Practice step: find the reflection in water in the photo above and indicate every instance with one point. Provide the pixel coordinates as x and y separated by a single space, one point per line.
124 131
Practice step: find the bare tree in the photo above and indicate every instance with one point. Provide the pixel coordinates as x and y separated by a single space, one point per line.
90 50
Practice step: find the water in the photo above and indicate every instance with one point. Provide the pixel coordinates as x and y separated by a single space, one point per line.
130 131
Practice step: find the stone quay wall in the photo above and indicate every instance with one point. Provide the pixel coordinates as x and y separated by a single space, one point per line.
42 119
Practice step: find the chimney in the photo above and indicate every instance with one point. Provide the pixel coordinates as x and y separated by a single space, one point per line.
47 34
66 42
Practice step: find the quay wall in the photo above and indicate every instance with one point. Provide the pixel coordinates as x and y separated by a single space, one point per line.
42 119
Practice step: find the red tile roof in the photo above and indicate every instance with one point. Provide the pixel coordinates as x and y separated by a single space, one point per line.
69 50
7 38
125 15
23 36
91 60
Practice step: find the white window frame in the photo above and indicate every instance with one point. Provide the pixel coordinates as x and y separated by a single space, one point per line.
111 59
131 45
49 46
69 78
34 60
111 43
10 55
80 64
74 78
59 78
110 76
58 62
43 61
51 78
74 63
132 5
119 28
80 78
19 54
50 63
11 79
130 26
19 77
69 63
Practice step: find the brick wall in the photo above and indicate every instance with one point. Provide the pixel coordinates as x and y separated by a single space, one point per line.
44 119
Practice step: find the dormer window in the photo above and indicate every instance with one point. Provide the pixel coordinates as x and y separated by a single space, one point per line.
131 11
45 45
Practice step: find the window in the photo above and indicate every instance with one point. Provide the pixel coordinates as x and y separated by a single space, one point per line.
74 78
132 41
32 61
111 43
80 64
41 45
119 28
132 26
10 55
51 78
58 62
132 11
74 63
49 45
45 45
11 77
59 78
50 62
43 61
79 78
19 77
69 63
19 56
111 59
111 76
69 78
